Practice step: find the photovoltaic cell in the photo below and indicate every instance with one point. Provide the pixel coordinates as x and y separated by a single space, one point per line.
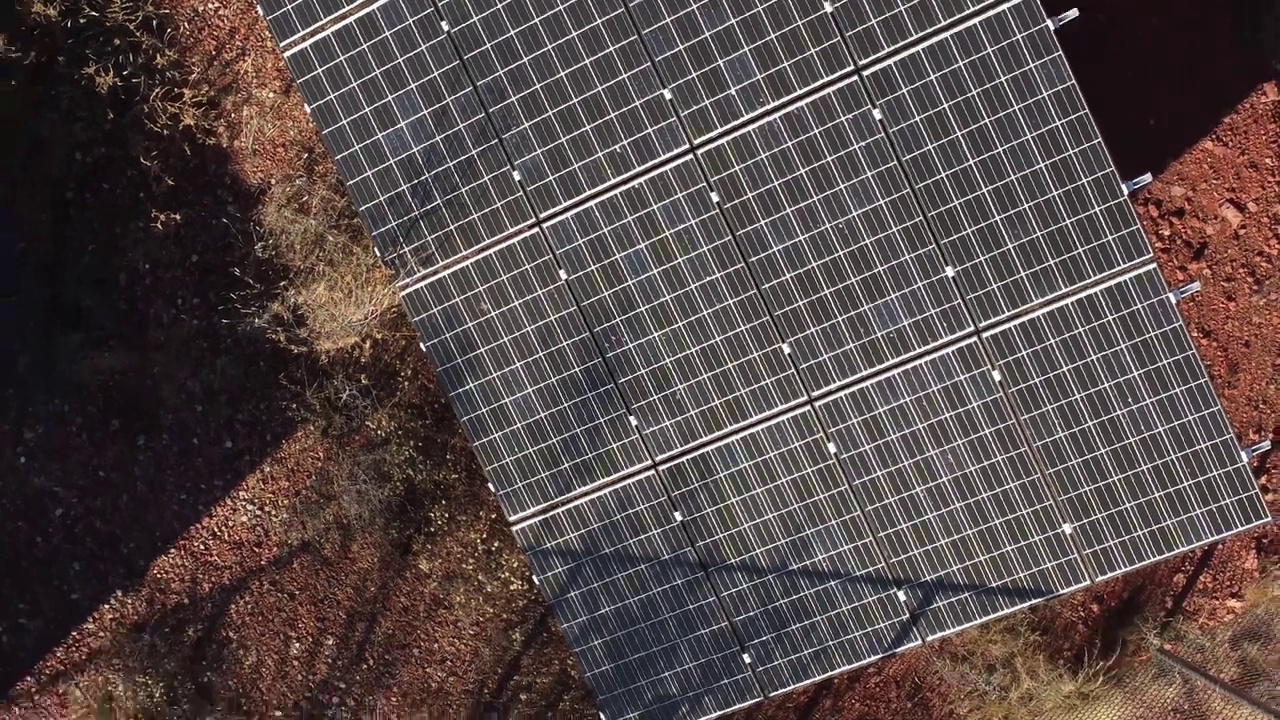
832 233
523 374
727 61
409 136
967 524
635 606
875 27
571 90
1007 162
775 522
674 309
1122 414
288 19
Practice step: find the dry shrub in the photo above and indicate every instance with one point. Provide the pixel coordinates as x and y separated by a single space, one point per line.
123 51
337 291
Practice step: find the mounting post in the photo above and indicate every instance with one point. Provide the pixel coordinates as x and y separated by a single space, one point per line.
1250 453
1058 21
1138 182
1185 290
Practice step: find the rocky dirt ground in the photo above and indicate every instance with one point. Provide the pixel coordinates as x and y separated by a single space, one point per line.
175 541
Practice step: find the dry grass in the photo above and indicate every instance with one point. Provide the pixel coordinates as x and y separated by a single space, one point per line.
120 49
336 291
1002 670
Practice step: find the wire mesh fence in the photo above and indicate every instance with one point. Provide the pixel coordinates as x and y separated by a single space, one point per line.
1012 669
1228 672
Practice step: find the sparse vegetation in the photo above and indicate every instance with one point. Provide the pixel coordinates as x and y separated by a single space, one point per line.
1003 671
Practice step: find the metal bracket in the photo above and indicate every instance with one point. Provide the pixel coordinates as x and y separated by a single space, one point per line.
1138 182
1250 453
1059 20
1190 289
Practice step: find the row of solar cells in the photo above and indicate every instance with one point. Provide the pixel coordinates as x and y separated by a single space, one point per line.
901 510
776 265
431 129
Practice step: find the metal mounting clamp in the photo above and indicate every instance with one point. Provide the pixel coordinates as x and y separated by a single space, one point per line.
1138 182
1058 21
1188 289
1250 453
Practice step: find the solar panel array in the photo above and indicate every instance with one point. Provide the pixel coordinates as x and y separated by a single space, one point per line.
790 334
1118 405
397 113
1007 162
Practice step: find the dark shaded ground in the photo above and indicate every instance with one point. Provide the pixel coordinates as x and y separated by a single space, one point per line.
1159 75
134 404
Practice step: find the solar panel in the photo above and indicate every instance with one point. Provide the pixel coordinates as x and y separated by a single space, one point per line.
875 27
409 136
523 374
727 61
569 87
635 606
1007 162
674 309
290 19
1121 412
775 380
826 218
966 523
774 520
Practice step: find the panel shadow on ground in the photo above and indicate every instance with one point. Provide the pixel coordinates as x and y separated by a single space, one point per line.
509 347
951 491
772 517
635 606
1122 413
408 135
827 221
1007 162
